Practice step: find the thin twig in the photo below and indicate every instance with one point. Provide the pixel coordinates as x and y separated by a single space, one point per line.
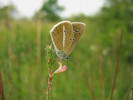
1 87
116 70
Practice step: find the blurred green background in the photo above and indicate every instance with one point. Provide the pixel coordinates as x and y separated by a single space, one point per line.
91 67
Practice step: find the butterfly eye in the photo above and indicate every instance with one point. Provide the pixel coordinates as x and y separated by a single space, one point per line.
73 39
75 30
64 31
70 39
69 34
67 58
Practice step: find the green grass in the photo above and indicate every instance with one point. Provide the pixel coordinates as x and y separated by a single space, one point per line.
23 79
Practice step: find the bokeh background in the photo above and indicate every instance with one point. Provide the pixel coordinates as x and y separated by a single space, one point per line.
91 67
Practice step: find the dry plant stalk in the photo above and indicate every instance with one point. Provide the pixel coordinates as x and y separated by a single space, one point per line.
50 59
117 65
39 39
50 56
1 88
49 83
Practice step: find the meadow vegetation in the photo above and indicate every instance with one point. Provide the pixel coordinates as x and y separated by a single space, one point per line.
90 68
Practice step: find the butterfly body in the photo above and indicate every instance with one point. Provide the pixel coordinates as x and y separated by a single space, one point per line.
65 36
61 55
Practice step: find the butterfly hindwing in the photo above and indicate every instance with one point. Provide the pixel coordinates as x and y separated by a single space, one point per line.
78 29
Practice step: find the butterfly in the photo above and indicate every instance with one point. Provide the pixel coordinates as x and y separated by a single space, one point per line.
65 36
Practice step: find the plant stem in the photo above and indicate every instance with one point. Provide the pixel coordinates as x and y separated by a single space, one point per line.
49 83
39 40
50 59
116 70
1 87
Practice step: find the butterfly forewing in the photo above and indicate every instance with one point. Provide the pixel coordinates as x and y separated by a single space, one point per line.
78 29
57 36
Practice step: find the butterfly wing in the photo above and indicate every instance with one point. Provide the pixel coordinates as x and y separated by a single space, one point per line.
78 29
61 34
57 36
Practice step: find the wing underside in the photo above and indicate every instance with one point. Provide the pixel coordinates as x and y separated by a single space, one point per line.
65 35
78 29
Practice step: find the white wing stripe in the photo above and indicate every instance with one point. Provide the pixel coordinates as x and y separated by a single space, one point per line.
63 36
